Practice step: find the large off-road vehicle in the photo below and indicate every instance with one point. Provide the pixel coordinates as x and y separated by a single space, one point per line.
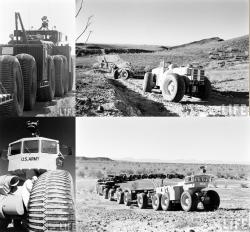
34 65
36 193
187 194
174 82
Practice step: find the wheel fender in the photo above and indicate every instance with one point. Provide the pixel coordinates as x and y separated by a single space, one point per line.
13 205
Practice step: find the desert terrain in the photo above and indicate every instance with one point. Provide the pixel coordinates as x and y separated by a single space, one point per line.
226 65
94 213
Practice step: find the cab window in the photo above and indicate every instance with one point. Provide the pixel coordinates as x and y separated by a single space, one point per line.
31 146
15 148
49 147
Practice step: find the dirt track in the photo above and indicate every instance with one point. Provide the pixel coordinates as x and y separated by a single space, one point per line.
97 214
130 96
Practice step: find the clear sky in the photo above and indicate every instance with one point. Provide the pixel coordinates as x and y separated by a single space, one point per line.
186 139
61 13
166 22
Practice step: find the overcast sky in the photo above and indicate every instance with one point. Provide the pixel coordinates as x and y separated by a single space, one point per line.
166 22
59 12
186 139
62 129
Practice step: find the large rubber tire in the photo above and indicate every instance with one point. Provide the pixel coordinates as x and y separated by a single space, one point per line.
204 91
189 201
116 74
213 202
59 76
51 205
166 204
125 74
111 194
4 224
142 200
173 87
48 93
12 80
29 71
66 74
106 193
71 75
148 82
127 198
156 201
120 197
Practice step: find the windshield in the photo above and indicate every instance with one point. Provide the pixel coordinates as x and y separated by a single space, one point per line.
31 146
15 148
49 147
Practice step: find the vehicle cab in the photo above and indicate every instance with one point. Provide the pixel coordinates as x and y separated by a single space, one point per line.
33 153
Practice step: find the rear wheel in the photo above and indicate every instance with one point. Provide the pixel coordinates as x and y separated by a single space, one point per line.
212 200
65 74
105 193
59 76
11 79
111 194
120 197
173 87
51 204
166 204
148 82
116 74
71 75
142 200
127 200
29 71
204 91
47 93
189 201
156 201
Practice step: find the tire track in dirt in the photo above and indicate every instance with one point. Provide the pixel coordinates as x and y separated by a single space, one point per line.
190 106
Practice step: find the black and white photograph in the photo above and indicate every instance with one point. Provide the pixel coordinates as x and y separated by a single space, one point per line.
158 174
37 58
162 58
37 174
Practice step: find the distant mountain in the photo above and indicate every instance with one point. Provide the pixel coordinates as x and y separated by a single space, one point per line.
199 42
84 158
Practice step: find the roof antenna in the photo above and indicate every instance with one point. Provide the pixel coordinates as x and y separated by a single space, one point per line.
33 128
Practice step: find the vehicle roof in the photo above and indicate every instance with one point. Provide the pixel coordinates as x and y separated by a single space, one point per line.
33 138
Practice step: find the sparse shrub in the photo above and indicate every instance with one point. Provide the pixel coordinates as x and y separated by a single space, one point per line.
99 174
244 185
81 174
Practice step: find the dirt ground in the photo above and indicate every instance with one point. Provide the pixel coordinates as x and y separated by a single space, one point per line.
98 94
94 213
58 107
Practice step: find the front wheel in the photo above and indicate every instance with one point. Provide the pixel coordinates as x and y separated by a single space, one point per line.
124 74
51 205
204 91
166 204
211 200
142 200
189 201
156 201
147 82
173 87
